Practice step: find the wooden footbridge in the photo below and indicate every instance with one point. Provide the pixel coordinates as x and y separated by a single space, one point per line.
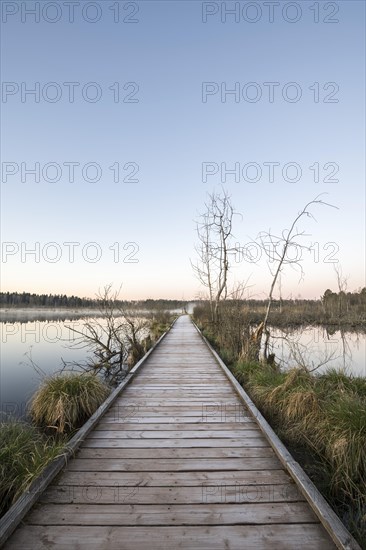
178 457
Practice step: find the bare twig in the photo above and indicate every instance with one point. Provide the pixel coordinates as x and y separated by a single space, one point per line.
289 237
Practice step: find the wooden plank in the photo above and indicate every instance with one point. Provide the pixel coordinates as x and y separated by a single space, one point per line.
259 441
162 375
172 479
187 382
219 409
215 393
170 464
197 427
176 394
171 434
178 422
254 537
204 493
175 514
182 402
211 409
186 398
181 386
228 453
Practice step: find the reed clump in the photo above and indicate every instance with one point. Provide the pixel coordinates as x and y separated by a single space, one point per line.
64 402
325 415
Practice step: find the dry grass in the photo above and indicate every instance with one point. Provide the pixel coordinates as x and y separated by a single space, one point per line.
24 453
64 402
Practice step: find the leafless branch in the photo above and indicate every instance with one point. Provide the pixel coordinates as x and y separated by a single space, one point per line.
290 237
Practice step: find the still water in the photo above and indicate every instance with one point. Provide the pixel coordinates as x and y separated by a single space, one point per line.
320 348
48 342
29 351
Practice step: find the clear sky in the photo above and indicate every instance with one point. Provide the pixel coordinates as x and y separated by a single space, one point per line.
140 86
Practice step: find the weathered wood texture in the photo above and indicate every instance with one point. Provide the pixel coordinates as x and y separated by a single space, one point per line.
177 461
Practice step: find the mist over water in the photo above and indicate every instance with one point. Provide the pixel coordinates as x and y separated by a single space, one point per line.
25 315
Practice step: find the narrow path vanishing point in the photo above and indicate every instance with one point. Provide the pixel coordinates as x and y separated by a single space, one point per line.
176 462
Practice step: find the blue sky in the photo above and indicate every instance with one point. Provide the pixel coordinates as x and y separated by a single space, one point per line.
169 132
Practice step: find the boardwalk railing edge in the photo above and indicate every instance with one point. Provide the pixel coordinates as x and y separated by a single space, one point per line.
19 509
329 519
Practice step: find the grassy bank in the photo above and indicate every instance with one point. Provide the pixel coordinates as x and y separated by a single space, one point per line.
24 453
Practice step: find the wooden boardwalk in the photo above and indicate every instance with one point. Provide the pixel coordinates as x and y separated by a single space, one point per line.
176 462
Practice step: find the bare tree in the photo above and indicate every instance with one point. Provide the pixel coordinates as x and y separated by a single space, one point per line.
234 322
277 248
114 338
214 231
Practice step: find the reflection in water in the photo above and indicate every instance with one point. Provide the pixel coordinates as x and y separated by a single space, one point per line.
319 348
61 315
46 343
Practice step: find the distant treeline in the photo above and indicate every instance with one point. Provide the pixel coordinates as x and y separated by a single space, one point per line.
348 306
331 303
27 299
